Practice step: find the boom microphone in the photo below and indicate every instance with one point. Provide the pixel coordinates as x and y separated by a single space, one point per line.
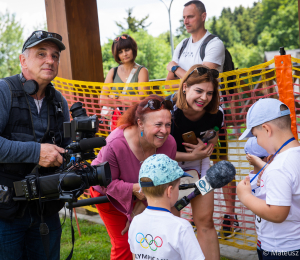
217 176
86 144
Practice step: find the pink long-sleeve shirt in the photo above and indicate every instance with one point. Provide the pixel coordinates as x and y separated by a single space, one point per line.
125 169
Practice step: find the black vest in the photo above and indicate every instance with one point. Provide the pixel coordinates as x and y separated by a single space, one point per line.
20 128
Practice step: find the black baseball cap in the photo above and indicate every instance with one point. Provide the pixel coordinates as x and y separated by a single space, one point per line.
39 36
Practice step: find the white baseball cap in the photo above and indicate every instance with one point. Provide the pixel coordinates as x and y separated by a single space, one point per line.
253 148
262 111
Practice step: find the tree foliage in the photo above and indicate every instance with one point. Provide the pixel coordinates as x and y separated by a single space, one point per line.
11 42
133 23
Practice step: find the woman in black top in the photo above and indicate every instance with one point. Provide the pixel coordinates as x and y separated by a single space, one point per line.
197 109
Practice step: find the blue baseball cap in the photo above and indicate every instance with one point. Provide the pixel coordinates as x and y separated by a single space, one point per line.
161 170
253 148
262 111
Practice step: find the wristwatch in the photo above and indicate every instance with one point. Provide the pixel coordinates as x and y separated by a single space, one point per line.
173 69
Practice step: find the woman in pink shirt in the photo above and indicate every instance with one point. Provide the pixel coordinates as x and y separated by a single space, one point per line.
143 130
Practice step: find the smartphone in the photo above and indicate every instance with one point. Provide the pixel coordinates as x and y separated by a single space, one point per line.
190 138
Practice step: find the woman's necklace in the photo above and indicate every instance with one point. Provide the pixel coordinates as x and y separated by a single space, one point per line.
143 150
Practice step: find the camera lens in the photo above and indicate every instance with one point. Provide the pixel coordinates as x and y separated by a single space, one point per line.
103 174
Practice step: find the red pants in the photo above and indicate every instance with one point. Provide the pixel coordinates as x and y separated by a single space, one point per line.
115 222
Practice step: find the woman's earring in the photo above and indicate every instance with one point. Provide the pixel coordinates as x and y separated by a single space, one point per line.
184 92
142 134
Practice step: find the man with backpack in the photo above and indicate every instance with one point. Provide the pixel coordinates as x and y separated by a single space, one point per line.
204 48
188 52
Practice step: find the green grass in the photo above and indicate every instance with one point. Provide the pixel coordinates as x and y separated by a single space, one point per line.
94 243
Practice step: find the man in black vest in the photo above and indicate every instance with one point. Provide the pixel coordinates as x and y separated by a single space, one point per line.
32 113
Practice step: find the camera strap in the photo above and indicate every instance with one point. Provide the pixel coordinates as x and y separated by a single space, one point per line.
44 230
72 232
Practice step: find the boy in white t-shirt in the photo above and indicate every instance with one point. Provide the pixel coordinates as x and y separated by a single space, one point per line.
277 205
157 233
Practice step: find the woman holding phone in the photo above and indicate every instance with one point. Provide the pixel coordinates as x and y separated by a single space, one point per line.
197 110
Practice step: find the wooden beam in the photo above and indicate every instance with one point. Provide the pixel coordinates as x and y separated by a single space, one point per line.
77 22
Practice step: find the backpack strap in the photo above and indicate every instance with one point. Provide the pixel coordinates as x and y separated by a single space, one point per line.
203 46
115 72
184 44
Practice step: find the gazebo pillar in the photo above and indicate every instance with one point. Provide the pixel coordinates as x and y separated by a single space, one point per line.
77 22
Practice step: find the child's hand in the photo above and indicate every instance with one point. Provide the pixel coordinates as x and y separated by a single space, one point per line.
259 177
126 228
254 160
244 189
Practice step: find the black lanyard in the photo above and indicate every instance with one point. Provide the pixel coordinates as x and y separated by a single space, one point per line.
286 143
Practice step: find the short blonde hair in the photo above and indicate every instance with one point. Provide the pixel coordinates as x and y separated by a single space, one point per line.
195 78
156 191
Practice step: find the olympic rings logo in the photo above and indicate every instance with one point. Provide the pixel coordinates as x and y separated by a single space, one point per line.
148 241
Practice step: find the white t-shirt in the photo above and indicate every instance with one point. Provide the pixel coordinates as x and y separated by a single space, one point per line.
214 52
159 235
280 186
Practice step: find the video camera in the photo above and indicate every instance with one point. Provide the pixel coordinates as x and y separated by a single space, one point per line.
70 182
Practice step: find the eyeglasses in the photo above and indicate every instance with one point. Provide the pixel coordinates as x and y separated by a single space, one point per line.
155 104
203 70
124 37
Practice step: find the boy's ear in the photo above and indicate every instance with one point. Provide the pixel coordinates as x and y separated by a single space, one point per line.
169 191
267 129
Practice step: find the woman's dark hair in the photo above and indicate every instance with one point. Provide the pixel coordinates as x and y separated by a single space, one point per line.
135 112
128 43
195 78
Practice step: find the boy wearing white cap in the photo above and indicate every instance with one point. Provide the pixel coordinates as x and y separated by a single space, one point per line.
277 206
157 233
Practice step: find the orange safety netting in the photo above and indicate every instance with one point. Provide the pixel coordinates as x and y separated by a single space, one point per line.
249 85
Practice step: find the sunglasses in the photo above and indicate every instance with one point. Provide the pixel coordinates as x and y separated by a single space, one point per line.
42 35
203 70
155 104
124 37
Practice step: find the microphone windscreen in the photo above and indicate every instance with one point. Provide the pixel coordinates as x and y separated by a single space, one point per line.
220 174
90 143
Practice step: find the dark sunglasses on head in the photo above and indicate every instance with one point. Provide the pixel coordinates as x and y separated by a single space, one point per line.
203 70
124 37
43 35
154 104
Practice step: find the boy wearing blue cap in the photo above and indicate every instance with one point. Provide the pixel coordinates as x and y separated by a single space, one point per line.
157 233
277 206
258 157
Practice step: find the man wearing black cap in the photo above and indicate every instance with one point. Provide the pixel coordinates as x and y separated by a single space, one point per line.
32 113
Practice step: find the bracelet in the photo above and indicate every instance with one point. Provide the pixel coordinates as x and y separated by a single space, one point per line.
133 213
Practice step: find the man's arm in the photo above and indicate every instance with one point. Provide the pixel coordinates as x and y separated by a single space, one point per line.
14 151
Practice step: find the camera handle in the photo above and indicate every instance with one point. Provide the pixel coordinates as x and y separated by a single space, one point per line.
87 202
